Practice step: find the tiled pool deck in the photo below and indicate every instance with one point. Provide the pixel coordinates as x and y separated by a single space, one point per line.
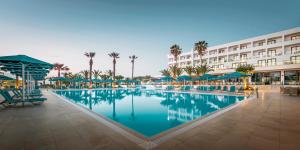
270 122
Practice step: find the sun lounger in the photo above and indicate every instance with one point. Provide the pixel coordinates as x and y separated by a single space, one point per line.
225 88
9 98
170 88
232 89
293 91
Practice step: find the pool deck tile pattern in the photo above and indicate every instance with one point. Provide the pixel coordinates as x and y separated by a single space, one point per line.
270 122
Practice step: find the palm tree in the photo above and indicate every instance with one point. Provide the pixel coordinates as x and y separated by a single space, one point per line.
96 74
175 71
133 58
200 47
189 70
90 55
119 77
115 56
60 67
85 74
200 70
175 50
247 69
165 72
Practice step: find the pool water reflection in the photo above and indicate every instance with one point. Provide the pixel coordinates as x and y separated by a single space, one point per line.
149 112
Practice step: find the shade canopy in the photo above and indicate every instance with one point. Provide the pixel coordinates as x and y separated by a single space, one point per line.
205 77
3 77
184 78
58 79
233 75
36 68
166 79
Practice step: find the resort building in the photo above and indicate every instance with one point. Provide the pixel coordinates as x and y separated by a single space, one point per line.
275 56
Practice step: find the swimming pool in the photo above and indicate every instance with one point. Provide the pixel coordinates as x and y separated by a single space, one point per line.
149 112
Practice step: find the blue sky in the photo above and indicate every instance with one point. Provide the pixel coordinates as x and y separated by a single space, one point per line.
61 31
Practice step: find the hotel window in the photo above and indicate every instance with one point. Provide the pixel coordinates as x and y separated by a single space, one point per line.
295 37
243 63
271 52
271 62
221 66
295 49
234 57
260 43
221 51
261 63
295 59
271 41
235 65
215 67
261 53
291 77
243 56
243 46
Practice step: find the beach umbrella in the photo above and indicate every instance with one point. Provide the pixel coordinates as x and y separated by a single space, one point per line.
25 67
166 78
184 78
205 77
3 77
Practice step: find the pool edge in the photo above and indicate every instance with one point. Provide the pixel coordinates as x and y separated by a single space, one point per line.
149 143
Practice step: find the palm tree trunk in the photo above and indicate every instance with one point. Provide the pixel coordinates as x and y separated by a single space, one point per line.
132 70
91 67
114 69
58 82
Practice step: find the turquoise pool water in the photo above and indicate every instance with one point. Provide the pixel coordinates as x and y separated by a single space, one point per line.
149 112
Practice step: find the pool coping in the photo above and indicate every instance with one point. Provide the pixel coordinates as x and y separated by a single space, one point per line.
151 142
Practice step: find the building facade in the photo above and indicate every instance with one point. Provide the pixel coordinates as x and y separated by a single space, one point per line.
276 57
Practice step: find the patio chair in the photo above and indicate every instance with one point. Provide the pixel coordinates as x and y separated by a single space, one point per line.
225 88
170 87
9 98
219 87
293 91
18 93
211 88
232 89
286 91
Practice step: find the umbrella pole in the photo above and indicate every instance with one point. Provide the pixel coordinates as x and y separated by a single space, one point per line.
28 82
23 82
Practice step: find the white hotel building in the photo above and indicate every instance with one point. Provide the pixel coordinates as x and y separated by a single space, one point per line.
276 57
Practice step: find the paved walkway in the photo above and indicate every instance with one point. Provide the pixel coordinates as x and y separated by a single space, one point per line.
271 122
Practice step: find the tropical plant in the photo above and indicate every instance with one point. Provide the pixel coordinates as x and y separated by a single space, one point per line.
119 77
90 55
115 56
165 72
175 71
109 73
76 75
96 74
60 67
133 58
175 50
189 70
68 75
248 68
200 47
85 74
200 70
